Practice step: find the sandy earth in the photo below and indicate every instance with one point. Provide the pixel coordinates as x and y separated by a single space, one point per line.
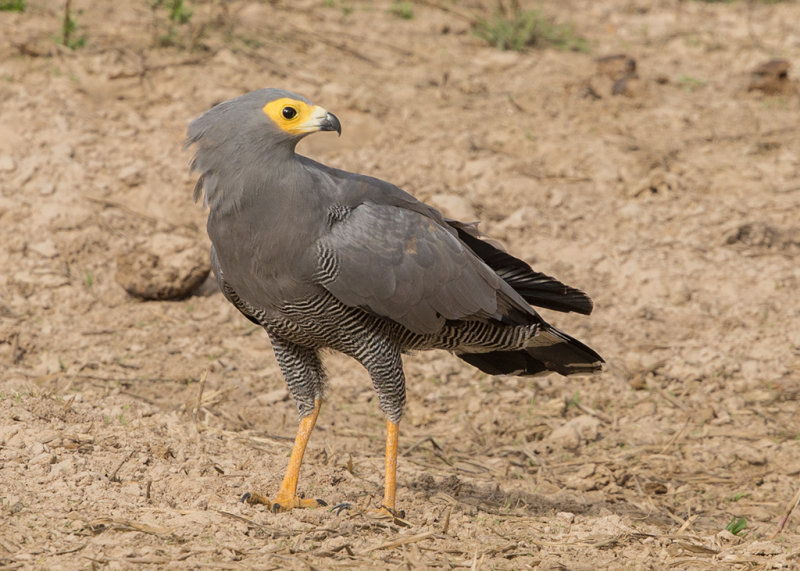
129 429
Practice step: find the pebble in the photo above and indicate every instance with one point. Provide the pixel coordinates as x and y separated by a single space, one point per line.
46 188
7 163
163 268
765 548
565 517
132 175
131 489
43 458
751 456
573 433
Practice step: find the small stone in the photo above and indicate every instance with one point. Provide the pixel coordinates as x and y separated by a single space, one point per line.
64 468
791 469
580 484
638 383
586 471
771 77
616 66
13 504
726 536
132 175
572 434
163 268
131 489
46 249
7 163
765 548
46 188
37 448
751 456
42 459
754 234
565 517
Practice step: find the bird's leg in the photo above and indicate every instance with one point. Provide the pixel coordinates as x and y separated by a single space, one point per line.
287 498
387 509
385 366
390 477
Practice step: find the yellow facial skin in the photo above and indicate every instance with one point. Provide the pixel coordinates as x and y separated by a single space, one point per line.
295 117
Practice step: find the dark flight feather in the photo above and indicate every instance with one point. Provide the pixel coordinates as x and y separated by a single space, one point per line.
535 287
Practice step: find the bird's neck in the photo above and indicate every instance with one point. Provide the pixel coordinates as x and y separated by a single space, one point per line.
263 182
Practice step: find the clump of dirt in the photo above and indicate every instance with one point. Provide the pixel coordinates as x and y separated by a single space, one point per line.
163 268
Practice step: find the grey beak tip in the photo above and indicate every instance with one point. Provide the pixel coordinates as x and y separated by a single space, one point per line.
332 123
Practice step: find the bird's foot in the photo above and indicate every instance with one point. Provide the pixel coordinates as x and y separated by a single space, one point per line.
340 507
382 513
387 513
282 503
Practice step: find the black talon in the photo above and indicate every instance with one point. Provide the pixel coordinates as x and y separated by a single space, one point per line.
276 507
339 508
396 514
245 497
322 502
392 512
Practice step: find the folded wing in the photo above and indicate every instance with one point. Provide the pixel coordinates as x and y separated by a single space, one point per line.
401 264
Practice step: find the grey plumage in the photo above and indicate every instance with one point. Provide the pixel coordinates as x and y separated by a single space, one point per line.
323 258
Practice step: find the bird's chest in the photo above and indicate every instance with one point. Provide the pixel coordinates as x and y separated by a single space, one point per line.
266 250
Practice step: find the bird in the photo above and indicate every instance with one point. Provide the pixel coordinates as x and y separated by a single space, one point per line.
325 259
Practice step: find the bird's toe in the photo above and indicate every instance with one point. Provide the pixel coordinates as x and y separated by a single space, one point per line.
340 507
386 513
254 498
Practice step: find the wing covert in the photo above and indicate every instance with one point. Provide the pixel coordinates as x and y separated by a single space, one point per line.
403 265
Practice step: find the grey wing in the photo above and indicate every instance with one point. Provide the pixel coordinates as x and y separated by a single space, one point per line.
403 265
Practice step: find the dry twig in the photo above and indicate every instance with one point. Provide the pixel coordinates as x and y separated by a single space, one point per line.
200 394
446 525
114 477
790 507
401 541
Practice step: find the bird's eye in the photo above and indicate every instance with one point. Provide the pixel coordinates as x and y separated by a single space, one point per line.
289 112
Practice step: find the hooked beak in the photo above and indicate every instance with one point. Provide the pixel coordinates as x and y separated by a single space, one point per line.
318 120
329 122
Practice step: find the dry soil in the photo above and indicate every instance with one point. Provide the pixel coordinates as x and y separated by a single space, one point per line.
129 428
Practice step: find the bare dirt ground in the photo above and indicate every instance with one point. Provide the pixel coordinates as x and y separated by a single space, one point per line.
675 204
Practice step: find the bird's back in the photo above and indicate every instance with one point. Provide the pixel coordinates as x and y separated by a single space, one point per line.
295 241
361 259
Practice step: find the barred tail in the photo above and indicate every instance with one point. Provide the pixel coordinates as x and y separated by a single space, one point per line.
550 350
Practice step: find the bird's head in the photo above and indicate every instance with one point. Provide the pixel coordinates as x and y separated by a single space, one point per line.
249 132
271 116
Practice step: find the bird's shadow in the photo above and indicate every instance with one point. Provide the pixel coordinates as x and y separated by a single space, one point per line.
494 499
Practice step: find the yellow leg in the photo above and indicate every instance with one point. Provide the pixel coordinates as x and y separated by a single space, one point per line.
287 495
390 478
387 509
